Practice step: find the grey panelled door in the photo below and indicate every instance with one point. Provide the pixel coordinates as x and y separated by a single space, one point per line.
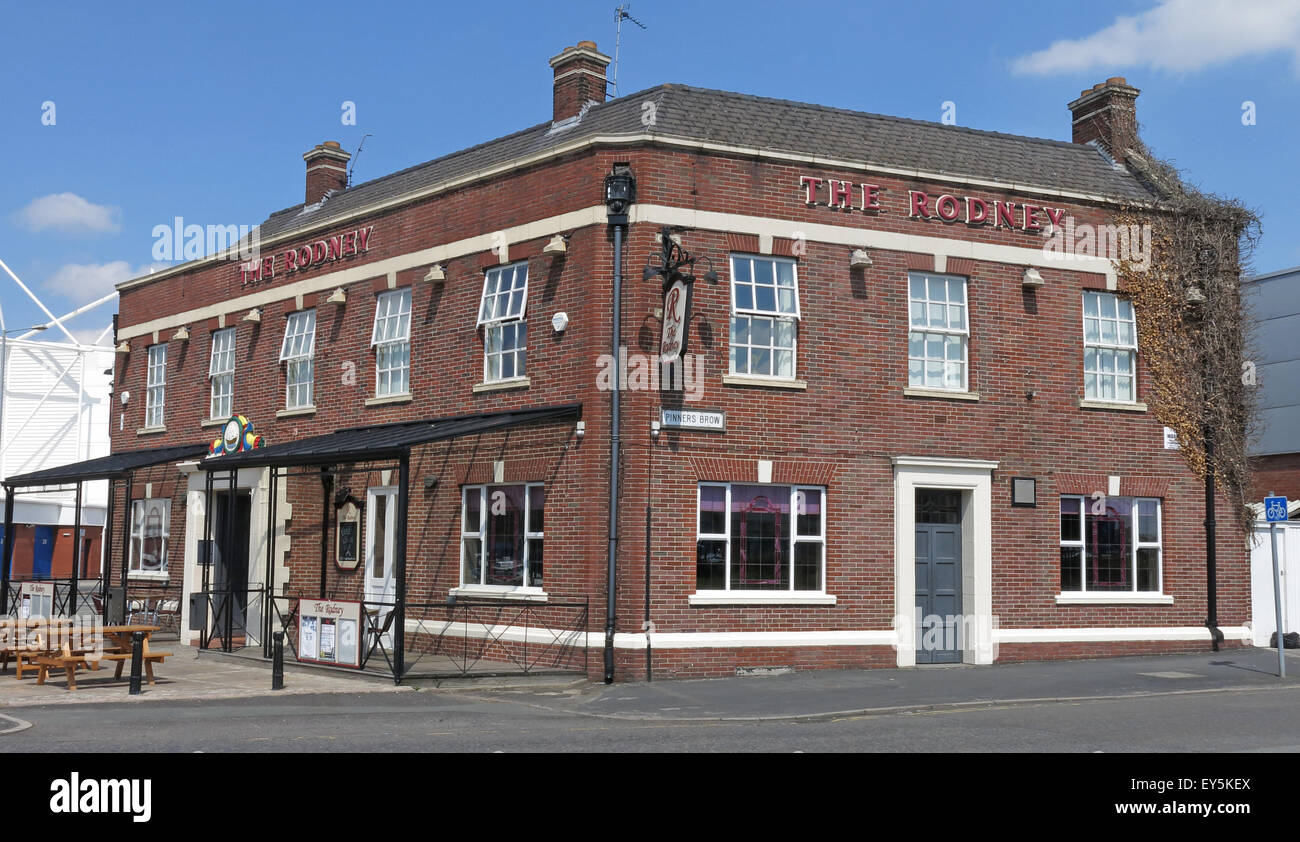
938 593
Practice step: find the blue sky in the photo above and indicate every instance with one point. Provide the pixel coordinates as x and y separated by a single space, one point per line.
173 109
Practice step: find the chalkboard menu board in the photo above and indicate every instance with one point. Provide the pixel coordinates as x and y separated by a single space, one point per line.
347 545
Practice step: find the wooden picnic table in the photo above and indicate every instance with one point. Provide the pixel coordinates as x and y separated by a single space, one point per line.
37 634
115 645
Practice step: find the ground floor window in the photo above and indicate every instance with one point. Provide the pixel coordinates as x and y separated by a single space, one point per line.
1110 544
760 538
501 535
150 529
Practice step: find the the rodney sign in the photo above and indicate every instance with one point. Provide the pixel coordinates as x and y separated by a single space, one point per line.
843 195
322 251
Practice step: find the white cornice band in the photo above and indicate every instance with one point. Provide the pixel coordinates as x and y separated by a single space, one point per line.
655 214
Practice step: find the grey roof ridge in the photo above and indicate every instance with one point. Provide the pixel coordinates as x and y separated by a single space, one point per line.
668 87
1064 144
298 208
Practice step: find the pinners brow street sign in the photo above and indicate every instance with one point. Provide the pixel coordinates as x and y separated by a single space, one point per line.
843 195
322 251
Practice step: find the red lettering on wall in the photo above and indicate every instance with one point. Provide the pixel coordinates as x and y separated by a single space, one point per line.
1006 212
871 197
839 194
947 208
920 204
810 185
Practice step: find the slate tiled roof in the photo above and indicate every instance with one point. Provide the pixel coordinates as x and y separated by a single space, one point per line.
775 125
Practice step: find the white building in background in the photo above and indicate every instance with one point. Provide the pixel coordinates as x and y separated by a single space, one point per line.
55 394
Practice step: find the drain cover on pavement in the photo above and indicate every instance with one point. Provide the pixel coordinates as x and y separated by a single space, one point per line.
1171 674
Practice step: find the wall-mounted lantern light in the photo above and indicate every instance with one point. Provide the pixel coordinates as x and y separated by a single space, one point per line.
1032 278
859 259
559 244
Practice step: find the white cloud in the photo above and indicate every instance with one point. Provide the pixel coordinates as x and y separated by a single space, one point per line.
1178 36
68 212
86 282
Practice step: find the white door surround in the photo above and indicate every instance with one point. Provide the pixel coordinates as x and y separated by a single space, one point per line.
974 478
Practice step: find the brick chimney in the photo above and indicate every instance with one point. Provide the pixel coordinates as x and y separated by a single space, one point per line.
1107 113
327 169
579 79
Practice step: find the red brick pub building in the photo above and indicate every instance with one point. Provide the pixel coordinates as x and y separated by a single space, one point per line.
904 428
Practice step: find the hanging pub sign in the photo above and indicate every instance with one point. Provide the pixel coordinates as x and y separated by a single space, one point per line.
347 535
329 632
237 435
677 311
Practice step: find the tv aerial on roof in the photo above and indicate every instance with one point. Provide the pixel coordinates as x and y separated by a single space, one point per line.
619 14
356 155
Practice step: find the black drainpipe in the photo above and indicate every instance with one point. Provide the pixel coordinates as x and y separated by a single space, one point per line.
619 194
615 422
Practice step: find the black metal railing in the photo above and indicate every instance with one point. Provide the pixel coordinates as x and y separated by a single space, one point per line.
478 635
155 604
234 618
69 598
458 638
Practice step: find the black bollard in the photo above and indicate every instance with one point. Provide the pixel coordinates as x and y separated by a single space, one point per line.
277 662
137 661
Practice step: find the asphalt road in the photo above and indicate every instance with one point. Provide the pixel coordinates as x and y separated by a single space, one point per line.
1246 720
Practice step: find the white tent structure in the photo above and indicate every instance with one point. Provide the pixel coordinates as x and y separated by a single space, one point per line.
55 393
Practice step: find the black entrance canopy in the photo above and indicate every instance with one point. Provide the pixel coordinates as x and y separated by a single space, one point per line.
384 441
106 467
115 467
353 445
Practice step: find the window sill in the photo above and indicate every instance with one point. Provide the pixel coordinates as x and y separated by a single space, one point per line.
1114 599
387 399
501 385
952 395
147 577
500 592
213 422
1121 406
290 413
149 431
761 598
770 382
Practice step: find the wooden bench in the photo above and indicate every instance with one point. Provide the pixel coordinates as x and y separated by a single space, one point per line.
124 658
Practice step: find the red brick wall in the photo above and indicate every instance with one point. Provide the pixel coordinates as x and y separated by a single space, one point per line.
1278 475
840 431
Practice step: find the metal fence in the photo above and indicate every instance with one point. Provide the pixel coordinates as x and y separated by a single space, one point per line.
232 619
458 637
69 597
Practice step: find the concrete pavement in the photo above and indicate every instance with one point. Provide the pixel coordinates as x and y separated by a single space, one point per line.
829 694
801 695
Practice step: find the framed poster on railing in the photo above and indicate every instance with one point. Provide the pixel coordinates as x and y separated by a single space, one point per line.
329 632
36 599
